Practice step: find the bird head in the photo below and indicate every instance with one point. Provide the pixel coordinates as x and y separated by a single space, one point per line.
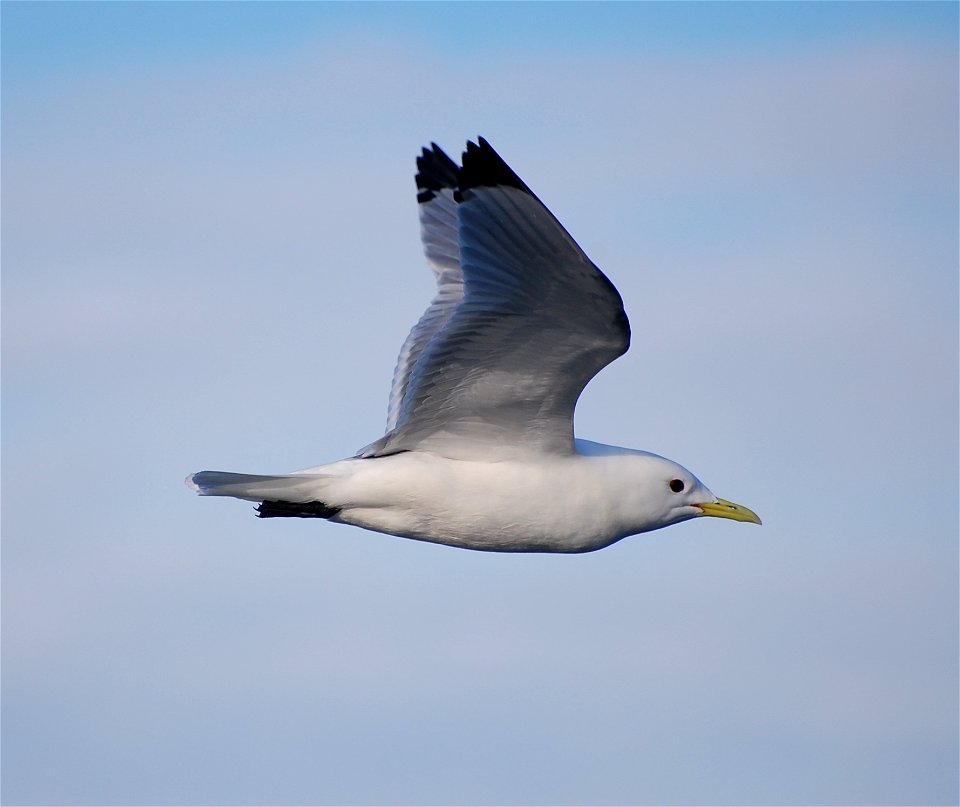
656 492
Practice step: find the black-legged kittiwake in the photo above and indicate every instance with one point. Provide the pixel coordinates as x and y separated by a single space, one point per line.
479 450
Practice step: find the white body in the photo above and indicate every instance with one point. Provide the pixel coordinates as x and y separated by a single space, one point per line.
572 503
584 502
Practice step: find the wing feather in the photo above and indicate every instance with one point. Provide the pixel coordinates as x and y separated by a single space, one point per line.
436 183
500 368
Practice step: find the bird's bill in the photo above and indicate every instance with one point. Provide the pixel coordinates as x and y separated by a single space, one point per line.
721 508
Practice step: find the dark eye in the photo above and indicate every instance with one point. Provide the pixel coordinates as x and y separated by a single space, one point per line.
676 485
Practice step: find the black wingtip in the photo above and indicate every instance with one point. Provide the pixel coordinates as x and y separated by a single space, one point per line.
484 168
435 171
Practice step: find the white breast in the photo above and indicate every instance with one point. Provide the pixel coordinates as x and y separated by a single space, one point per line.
558 504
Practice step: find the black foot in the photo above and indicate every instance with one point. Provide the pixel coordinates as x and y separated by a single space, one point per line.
295 510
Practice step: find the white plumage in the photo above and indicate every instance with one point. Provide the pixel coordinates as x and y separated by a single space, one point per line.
479 450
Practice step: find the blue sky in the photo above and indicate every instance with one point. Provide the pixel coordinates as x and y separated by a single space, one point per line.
60 35
210 260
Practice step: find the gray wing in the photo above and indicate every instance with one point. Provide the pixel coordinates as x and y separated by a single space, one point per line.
536 322
436 184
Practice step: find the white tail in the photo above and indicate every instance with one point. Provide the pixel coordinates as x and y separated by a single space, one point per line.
255 487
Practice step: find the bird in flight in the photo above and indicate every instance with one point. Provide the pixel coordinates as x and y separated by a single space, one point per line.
479 450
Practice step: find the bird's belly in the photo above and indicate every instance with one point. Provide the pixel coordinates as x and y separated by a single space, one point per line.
502 506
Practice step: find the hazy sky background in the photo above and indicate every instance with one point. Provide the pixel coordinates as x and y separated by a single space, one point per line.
210 260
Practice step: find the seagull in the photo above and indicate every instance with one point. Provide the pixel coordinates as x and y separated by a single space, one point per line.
479 450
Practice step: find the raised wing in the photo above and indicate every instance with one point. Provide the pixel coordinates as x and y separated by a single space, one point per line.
537 320
436 184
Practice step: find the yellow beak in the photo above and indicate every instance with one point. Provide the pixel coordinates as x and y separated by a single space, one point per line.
721 508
